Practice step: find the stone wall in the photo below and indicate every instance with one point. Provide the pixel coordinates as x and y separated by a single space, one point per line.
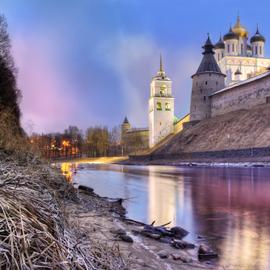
233 153
243 96
135 139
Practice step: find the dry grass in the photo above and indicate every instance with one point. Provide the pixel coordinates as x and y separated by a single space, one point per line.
33 230
34 233
13 140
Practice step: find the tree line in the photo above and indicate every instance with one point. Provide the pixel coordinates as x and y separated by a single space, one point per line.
96 141
10 95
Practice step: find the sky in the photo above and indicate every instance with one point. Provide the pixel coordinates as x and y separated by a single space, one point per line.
90 62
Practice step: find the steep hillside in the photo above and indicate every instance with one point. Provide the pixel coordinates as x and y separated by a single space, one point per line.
236 130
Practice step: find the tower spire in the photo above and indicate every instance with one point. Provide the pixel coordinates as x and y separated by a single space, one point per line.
160 64
238 18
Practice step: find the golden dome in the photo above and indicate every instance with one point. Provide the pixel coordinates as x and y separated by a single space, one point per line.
240 30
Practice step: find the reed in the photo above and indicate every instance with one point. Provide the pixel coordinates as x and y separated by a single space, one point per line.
34 233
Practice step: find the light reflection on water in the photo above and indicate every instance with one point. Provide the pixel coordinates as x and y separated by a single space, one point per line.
229 205
68 169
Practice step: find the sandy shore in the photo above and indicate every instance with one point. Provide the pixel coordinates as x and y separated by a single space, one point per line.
99 220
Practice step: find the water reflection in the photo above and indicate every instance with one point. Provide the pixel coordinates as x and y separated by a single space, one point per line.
68 170
231 207
162 199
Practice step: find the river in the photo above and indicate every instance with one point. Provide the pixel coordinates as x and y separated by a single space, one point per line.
228 207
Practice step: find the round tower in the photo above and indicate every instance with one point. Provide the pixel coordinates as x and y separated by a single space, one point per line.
257 44
207 80
124 128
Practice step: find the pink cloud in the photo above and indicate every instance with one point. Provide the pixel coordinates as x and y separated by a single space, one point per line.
47 101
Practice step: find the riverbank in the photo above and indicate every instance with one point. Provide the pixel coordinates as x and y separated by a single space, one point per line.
35 228
96 160
202 162
139 246
50 224
199 162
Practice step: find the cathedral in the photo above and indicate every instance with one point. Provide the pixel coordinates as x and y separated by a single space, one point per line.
239 57
233 74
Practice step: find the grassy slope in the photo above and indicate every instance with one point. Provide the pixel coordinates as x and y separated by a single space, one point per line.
246 128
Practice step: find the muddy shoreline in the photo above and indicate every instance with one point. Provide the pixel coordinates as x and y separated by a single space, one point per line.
107 223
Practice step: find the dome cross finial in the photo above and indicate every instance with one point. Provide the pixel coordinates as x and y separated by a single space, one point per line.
238 17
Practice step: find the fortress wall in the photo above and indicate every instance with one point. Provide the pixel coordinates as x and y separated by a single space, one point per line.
180 124
244 96
135 139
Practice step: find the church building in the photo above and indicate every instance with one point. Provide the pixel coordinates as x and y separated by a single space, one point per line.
161 119
230 77
239 57
161 107
233 74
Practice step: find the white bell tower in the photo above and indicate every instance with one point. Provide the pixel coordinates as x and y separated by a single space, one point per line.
161 107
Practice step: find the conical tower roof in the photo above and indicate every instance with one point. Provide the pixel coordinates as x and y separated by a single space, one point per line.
208 63
125 121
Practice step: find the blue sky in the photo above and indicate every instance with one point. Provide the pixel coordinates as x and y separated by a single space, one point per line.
90 62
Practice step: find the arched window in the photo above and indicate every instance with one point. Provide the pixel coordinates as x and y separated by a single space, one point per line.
233 47
159 106
256 50
228 48
242 49
261 50
162 90
167 106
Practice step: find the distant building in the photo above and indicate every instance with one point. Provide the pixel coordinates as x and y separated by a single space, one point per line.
161 119
161 107
239 57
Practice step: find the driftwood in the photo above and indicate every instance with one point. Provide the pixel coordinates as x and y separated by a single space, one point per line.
172 236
